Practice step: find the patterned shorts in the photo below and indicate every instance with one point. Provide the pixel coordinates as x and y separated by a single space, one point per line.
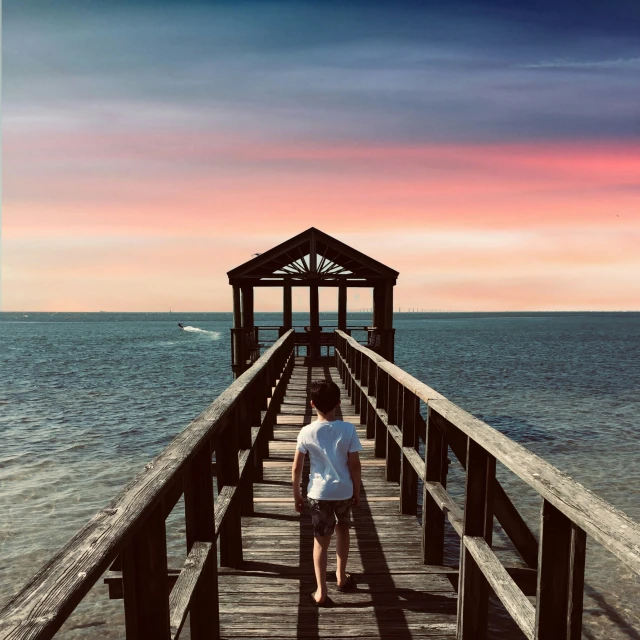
325 514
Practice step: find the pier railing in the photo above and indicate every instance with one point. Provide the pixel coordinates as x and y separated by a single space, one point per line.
388 400
129 534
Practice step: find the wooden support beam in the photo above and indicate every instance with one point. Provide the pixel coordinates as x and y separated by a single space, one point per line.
432 515
393 414
314 320
200 529
229 475
503 585
313 254
237 308
380 444
342 306
378 306
144 577
387 349
408 476
243 426
187 585
560 576
247 307
505 511
473 591
287 307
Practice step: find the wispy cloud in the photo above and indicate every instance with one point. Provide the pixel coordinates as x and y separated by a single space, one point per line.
619 63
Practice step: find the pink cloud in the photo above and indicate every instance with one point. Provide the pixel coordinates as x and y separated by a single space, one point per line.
206 204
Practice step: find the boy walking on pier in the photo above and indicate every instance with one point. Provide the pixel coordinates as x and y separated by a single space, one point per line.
334 484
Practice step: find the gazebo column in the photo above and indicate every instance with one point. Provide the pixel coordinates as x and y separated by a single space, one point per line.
342 306
287 308
247 307
314 320
237 336
248 328
383 318
388 337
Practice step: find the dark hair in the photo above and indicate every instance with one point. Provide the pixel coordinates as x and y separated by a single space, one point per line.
325 395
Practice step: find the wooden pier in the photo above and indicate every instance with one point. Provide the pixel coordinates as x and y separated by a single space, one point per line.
258 585
396 597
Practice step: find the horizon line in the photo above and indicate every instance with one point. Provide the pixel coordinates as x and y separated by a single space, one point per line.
360 312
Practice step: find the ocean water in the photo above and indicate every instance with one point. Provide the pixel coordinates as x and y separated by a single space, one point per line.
87 399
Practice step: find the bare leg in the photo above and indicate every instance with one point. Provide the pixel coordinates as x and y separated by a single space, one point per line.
342 552
320 547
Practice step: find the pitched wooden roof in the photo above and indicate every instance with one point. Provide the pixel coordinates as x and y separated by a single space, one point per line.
312 255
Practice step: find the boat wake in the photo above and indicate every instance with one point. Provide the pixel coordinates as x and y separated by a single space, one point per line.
213 335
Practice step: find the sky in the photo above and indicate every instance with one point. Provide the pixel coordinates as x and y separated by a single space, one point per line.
488 151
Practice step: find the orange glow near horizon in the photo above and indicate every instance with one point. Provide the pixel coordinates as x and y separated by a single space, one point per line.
142 223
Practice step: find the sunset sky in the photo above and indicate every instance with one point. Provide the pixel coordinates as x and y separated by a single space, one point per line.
488 151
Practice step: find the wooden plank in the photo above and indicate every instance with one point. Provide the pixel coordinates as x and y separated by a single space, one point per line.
515 602
186 586
225 498
438 494
414 459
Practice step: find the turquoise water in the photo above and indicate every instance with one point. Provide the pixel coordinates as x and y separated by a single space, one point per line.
87 399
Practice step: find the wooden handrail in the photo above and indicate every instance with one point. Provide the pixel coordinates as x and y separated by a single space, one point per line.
388 400
608 525
136 515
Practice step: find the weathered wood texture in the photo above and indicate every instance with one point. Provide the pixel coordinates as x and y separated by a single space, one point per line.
131 523
570 512
397 596
263 588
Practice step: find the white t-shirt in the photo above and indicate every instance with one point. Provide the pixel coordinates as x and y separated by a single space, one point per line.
328 445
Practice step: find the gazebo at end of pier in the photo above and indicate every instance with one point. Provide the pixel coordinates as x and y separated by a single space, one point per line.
311 259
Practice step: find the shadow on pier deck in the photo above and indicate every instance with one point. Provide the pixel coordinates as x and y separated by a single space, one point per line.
396 597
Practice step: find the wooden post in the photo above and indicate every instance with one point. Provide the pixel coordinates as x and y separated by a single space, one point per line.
200 525
393 414
380 444
237 308
387 346
473 588
238 346
357 372
144 580
560 576
364 403
247 308
287 307
314 320
228 475
408 476
432 516
342 306
242 416
371 391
